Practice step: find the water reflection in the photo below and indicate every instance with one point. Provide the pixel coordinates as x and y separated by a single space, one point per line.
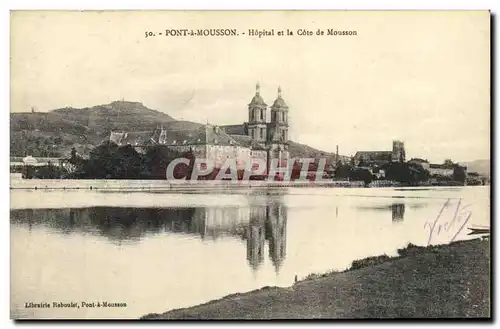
397 210
267 223
255 224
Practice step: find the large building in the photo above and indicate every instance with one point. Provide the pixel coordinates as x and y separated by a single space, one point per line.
422 162
256 138
398 154
445 170
207 142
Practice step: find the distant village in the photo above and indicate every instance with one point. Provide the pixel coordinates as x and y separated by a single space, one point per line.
266 140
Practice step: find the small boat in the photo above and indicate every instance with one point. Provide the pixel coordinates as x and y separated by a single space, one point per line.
479 230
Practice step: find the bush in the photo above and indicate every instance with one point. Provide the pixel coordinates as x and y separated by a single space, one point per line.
370 261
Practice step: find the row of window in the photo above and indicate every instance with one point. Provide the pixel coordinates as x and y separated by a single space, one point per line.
281 135
260 134
276 116
258 114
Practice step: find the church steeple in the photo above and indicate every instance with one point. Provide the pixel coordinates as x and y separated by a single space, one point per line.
257 100
279 127
257 128
279 103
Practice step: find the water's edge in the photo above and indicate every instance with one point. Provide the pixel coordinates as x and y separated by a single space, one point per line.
369 263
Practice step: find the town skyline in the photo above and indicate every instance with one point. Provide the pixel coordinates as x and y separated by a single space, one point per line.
430 91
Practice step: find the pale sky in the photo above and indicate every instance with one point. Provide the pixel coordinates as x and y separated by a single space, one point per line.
420 77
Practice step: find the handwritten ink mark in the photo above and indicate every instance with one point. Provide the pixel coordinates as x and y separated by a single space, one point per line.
436 227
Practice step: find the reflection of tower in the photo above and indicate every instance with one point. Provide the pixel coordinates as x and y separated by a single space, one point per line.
398 212
276 233
255 242
30 219
267 222
199 223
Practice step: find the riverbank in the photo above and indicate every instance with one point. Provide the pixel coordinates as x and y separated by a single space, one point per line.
437 281
17 183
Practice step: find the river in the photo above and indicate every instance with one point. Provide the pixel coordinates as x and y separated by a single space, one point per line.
167 250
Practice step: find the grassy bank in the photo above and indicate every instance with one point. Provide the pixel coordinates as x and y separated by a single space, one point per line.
438 281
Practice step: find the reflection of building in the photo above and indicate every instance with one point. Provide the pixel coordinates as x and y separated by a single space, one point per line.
216 222
255 242
255 224
398 211
267 222
276 229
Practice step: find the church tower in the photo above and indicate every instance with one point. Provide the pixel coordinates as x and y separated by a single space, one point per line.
278 137
257 127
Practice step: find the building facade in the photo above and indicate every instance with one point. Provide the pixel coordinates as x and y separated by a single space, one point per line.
398 151
422 162
441 170
257 138
370 158
271 135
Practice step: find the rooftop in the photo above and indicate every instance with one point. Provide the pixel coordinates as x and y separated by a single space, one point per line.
205 135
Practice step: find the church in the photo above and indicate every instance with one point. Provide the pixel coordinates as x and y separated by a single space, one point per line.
256 138
273 135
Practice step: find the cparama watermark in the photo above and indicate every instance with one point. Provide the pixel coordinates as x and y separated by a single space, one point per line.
298 170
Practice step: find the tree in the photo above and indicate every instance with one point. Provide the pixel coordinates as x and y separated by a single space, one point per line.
358 174
342 170
49 172
127 163
448 163
406 173
74 159
101 162
110 161
156 160
353 162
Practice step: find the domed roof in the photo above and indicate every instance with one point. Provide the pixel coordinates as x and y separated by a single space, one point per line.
257 100
280 102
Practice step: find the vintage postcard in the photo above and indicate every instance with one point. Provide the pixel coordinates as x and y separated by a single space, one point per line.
250 164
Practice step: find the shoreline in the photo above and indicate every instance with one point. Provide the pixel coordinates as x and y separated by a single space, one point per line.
451 280
109 184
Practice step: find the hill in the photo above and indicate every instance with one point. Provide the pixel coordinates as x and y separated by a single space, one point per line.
480 166
302 150
54 133
118 115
